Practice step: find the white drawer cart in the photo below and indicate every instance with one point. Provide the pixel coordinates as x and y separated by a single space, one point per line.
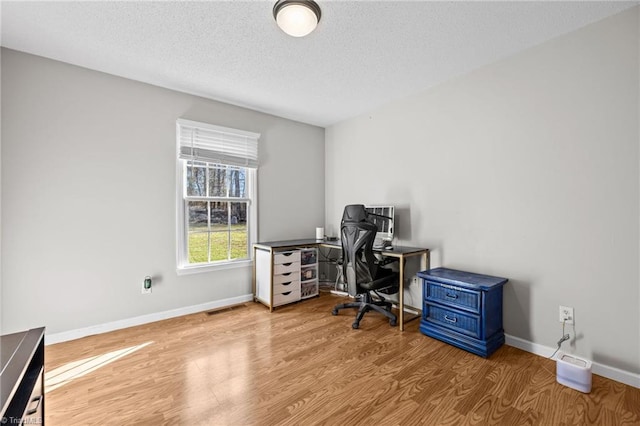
285 275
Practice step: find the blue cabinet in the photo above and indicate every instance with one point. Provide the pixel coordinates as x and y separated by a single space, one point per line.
463 309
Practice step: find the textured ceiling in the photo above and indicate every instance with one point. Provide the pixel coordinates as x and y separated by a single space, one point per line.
363 53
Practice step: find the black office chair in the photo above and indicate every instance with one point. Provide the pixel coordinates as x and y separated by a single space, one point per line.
363 272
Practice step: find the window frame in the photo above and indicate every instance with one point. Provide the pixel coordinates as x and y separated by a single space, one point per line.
182 220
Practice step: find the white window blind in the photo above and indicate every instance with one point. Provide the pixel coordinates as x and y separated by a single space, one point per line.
216 144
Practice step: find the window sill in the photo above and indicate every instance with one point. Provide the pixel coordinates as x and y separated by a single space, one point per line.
188 270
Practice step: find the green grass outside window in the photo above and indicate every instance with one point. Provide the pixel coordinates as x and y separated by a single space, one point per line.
199 243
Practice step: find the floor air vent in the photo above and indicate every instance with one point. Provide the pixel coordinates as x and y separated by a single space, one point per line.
226 309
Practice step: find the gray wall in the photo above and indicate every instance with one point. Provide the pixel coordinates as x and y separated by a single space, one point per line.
528 169
0 187
88 194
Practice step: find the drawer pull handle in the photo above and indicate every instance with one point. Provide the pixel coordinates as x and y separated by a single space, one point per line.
451 320
451 295
287 254
287 283
287 264
33 409
287 293
287 273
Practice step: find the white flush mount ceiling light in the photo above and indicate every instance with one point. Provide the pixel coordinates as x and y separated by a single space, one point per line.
297 17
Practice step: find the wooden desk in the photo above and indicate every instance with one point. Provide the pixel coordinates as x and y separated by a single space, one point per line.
400 252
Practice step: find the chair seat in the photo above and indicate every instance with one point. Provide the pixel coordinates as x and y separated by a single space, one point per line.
388 278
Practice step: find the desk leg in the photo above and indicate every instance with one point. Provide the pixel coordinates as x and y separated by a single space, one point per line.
253 277
271 259
424 265
401 294
424 262
266 276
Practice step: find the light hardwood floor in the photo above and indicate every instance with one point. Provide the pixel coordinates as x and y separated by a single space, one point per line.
302 366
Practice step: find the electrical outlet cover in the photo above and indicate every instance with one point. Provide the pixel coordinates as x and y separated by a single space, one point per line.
566 315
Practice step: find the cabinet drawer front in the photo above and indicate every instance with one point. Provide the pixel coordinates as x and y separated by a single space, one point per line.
284 298
453 296
308 273
309 289
308 257
286 287
458 321
285 268
286 257
285 278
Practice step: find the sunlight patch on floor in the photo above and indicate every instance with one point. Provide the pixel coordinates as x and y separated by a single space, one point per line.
64 374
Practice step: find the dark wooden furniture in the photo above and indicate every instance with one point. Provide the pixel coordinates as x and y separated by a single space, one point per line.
463 309
22 377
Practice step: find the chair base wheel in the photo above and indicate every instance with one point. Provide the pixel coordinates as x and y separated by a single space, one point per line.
393 323
355 325
334 312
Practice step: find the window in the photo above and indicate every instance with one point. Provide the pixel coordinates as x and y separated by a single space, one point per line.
216 196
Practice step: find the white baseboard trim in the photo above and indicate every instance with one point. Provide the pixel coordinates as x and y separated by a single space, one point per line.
64 336
613 373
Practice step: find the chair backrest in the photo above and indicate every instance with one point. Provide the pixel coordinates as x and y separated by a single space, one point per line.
358 261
